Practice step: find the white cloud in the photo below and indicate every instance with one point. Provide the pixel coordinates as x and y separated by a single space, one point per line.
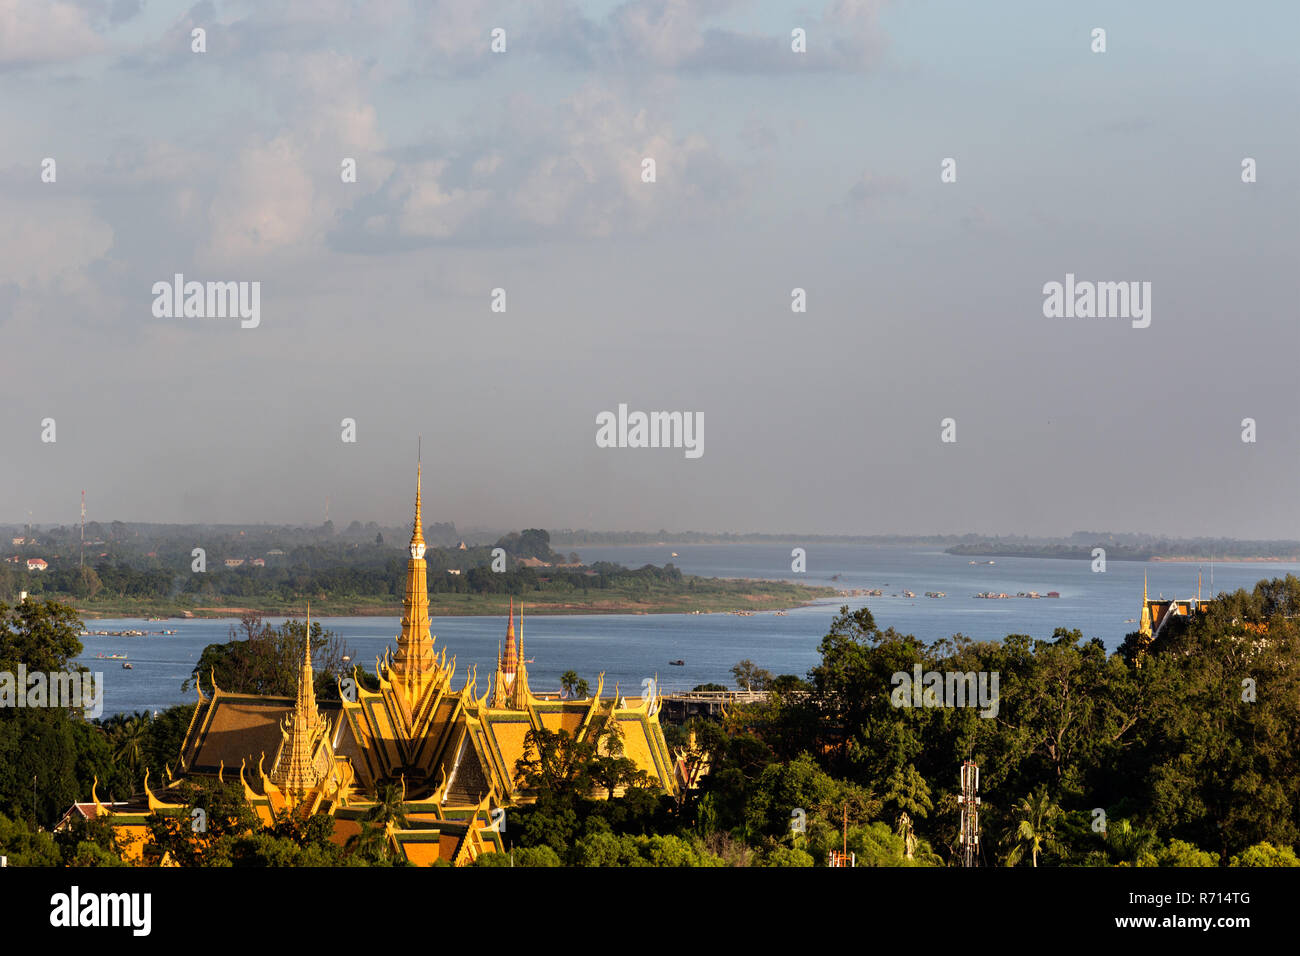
42 31
50 240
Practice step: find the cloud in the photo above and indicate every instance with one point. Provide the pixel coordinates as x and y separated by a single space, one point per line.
285 190
682 36
45 31
871 189
50 240
571 170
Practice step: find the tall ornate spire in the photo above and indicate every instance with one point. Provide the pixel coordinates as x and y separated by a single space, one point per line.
511 655
415 656
295 772
1144 624
417 534
510 688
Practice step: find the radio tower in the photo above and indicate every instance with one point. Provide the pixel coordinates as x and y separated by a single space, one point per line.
83 529
970 813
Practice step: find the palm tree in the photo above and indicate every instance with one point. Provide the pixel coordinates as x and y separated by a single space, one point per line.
1127 842
575 687
371 843
128 737
390 807
1033 829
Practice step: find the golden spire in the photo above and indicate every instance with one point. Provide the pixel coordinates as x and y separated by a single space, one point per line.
508 662
306 679
415 657
1144 624
417 534
294 771
519 689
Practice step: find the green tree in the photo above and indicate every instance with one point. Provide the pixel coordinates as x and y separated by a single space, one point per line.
1033 829
750 677
1265 854
575 687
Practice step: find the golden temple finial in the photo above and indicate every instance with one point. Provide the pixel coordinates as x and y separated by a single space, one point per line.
296 771
415 666
417 533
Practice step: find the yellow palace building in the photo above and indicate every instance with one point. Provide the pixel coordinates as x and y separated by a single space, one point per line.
452 750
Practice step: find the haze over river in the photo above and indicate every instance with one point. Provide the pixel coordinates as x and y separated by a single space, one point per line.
632 647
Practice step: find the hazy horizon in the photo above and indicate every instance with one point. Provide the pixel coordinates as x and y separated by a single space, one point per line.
776 170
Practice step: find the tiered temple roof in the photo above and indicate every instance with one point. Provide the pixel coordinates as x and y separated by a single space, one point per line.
454 752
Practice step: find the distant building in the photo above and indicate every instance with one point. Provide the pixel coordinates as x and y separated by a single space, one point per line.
459 547
534 563
36 564
1156 612
234 562
453 570
258 562
275 552
19 541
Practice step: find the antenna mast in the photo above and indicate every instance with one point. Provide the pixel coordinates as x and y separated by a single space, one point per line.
970 813
83 529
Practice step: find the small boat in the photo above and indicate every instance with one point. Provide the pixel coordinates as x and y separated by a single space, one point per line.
677 663
674 554
128 666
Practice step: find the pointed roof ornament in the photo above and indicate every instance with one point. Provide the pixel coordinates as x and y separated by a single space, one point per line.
417 533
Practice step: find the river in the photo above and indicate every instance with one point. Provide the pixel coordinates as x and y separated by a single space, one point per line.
630 647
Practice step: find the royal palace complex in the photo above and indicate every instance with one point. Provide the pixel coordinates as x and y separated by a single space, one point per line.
453 752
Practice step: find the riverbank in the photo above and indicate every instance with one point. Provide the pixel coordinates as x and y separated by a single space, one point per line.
713 596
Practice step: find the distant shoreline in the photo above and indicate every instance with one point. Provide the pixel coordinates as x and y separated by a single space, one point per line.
746 595
1116 554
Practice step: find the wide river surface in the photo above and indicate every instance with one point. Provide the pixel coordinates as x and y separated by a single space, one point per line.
632 647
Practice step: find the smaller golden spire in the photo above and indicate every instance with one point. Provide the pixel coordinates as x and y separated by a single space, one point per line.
511 654
417 534
295 772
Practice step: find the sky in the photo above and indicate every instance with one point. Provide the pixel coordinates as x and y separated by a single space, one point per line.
775 170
